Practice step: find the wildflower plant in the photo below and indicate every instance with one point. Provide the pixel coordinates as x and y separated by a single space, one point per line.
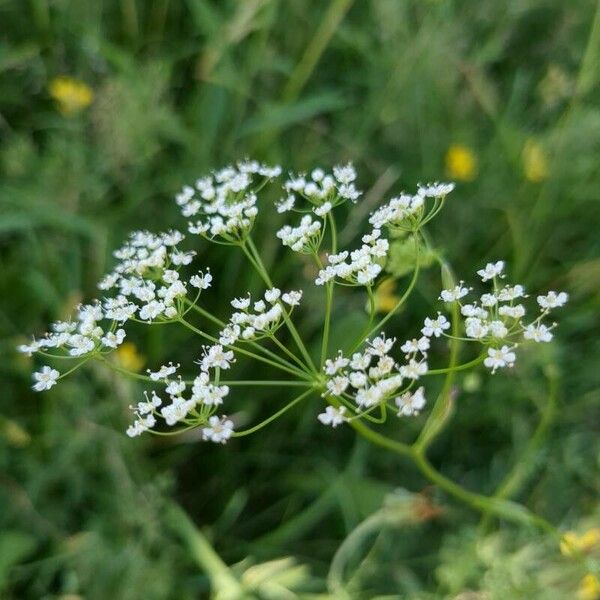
157 280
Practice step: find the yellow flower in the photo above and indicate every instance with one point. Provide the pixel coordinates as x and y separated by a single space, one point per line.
385 299
572 543
535 163
461 163
128 357
589 588
71 95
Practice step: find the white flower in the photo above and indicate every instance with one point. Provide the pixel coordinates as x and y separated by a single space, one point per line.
498 329
152 310
380 346
272 295
215 357
471 310
475 328
337 386
491 270
286 204
363 266
305 238
514 312
241 303
175 388
349 192
416 345
414 369
488 300
358 379
538 333
322 210
219 429
112 340
140 425
80 345
552 300
436 326
45 379
177 410
292 298
361 361
511 293
498 358
454 294
333 416
333 366
411 404
344 174
182 258
201 281
435 190
29 349
164 372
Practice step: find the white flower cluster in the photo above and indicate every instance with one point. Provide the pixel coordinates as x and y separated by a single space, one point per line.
408 212
260 319
192 409
306 238
496 317
371 378
321 191
226 200
148 287
359 267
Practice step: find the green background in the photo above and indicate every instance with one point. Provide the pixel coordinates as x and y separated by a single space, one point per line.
182 87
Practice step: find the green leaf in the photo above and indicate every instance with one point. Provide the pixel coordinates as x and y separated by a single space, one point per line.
14 547
403 259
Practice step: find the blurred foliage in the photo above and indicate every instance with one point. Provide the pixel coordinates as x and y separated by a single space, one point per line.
152 94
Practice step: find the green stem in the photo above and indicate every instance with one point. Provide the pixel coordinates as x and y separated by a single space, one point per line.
502 508
365 333
463 367
404 297
289 353
277 365
442 408
127 372
334 242
274 416
254 257
524 466
62 375
327 324
267 382
254 345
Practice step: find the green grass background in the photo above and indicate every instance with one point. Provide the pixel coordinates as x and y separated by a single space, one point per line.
181 87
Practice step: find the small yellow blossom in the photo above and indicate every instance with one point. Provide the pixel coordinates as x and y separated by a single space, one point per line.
128 357
589 588
461 163
535 163
71 95
571 542
385 298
